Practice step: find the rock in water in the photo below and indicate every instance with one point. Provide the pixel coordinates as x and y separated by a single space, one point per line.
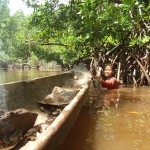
20 119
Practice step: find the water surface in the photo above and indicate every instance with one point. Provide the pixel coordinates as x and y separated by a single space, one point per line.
124 124
19 75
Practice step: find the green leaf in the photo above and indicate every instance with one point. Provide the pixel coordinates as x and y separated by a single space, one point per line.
145 39
129 2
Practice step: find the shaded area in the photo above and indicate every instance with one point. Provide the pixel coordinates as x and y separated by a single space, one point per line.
76 139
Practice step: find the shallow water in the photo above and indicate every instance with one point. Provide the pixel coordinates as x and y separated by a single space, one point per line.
19 75
123 124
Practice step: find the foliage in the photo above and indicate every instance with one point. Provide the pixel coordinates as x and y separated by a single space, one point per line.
116 31
34 59
4 23
4 59
90 26
70 33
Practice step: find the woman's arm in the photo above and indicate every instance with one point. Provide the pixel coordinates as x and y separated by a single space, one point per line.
109 84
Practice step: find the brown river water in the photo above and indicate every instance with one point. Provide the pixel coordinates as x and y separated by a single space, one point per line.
7 76
124 124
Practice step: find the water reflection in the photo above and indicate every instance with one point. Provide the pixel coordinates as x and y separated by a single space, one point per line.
125 125
19 75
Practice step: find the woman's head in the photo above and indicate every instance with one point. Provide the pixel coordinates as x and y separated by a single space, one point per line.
109 70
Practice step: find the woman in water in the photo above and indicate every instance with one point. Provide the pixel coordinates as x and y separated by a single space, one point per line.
110 82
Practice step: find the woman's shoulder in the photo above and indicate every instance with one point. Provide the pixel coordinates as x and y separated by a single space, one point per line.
112 79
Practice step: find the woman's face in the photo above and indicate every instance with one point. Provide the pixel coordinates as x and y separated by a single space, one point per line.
108 71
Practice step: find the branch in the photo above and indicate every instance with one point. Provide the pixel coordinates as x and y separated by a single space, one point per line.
119 45
53 44
144 71
140 12
109 52
37 42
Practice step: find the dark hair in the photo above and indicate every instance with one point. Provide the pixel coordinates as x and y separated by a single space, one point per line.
111 65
